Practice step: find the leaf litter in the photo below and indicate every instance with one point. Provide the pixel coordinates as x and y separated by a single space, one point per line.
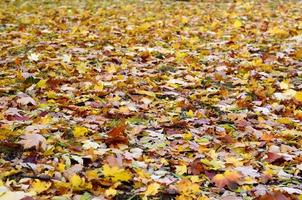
150 100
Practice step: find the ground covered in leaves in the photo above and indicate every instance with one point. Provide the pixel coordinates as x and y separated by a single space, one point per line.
150 100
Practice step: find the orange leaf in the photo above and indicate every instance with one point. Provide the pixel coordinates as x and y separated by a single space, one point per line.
232 176
229 177
274 196
220 180
116 135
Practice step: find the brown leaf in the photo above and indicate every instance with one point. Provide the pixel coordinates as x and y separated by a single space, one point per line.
116 135
273 157
196 167
227 179
274 196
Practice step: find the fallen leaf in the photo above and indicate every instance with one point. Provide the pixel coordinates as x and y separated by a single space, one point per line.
33 140
116 173
40 186
116 135
79 131
229 177
274 196
186 187
110 192
33 57
152 189
76 181
181 169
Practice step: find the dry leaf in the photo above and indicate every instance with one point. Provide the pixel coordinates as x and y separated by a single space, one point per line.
33 140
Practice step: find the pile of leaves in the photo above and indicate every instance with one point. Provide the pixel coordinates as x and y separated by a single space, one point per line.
150 100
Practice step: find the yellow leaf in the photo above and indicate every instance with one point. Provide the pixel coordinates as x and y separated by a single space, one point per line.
276 31
9 173
92 174
298 96
184 197
234 161
79 131
284 85
181 169
41 84
187 136
46 119
298 53
62 185
179 56
284 120
143 27
51 94
195 179
124 109
186 187
152 189
81 68
116 174
110 192
184 20
40 186
148 93
213 163
111 69
237 23
99 86
249 180
190 113
76 181
61 167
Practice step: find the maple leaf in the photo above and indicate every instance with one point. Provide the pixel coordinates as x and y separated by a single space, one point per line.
186 187
222 83
196 167
222 180
33 140
76 181
116 135
152 189
274 196
116 173
41 83
81 68
298 96
6 194
273 157
248 171
25 100
79 131
181 169
40 186
110 192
